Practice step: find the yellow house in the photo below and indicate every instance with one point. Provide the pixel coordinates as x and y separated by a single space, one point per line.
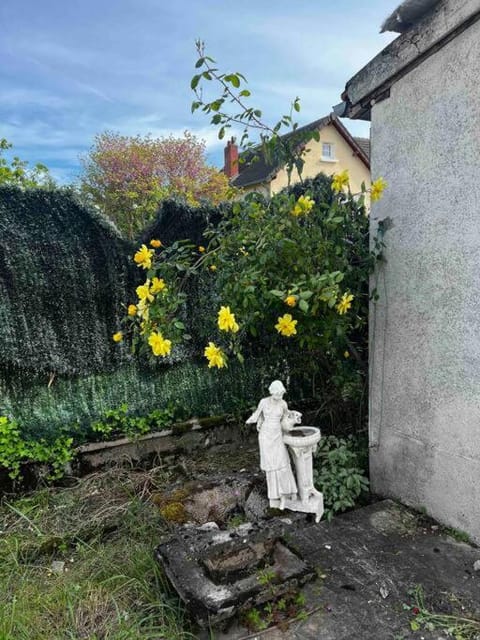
335 151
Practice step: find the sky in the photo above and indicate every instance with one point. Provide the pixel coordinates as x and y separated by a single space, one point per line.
71 69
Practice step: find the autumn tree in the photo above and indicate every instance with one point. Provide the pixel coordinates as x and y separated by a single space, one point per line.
126 177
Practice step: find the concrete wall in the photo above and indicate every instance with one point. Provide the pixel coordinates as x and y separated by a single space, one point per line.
344 159
425 328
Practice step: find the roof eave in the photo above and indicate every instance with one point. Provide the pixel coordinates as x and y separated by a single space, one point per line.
433 31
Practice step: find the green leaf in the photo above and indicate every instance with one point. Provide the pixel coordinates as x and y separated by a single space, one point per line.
414 626
194 82
277 293
303 304
306 295
199 62
245 93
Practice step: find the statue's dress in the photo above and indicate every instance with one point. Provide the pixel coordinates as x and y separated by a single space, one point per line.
274 458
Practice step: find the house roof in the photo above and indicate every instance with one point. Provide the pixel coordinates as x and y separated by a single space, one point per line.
364 144
426 26
255 169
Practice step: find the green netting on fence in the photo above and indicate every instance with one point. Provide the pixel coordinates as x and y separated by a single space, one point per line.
65 277
176 220
43 410
64 274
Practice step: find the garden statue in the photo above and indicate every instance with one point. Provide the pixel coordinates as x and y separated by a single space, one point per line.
274 458
276 428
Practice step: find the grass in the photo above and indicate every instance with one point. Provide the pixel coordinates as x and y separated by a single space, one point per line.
104 529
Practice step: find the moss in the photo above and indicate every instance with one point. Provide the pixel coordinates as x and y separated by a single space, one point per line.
174 512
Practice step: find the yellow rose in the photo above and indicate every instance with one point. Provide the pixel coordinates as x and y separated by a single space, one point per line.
345 303
226 320
132 309
339 181
143 310
215 356
160 346
117 337
377 188
143 292
143 257
286 325
303 206
158 285
291 301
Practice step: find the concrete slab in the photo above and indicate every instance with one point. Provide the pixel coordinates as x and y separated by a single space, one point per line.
367 561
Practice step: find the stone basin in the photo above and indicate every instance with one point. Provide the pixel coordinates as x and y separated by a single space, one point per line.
302 436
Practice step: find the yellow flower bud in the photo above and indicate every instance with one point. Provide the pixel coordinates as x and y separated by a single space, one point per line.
117 337
132 309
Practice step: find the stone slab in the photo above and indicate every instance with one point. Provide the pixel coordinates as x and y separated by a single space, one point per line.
367 561
216 573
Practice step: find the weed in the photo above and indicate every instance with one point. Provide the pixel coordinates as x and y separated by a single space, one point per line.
340 473
278 612
236 520
455 626
458 535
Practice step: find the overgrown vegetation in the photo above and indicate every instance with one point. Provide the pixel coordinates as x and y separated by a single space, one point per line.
119 422
105 583
15 451
341 472
298 303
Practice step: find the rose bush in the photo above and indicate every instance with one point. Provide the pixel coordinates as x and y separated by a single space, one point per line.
286 278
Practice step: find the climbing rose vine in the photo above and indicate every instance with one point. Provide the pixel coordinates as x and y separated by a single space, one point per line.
279 271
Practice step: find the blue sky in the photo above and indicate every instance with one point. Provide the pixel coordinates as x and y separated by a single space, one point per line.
73 69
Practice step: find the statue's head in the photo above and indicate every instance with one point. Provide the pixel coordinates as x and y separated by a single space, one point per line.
276 389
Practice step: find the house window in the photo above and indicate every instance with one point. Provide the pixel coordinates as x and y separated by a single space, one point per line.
328 151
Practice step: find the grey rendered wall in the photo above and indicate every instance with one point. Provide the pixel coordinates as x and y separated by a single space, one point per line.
425 328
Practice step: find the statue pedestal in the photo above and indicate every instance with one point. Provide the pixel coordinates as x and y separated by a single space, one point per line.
302 442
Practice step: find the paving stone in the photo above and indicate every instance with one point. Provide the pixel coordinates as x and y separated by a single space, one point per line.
360 554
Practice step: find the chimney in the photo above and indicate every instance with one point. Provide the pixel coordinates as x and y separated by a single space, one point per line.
231 159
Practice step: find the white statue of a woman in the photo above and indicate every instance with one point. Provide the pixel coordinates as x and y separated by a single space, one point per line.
274 458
